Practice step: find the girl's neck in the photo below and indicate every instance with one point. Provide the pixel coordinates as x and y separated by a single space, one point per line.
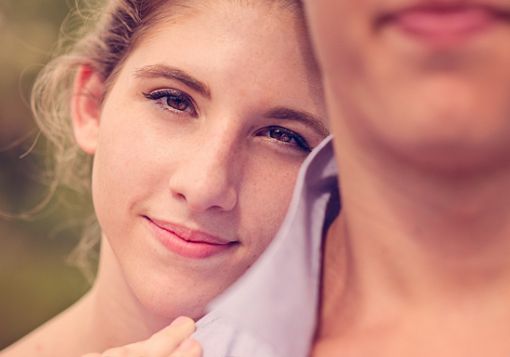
118 317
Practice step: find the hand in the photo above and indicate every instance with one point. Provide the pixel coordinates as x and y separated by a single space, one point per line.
172 341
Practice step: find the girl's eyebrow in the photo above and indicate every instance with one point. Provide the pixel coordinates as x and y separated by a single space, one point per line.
298 115
164 71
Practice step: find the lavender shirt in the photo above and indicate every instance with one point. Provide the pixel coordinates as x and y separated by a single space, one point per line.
272 310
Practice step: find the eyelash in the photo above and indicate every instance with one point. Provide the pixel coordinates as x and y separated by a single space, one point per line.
291 137
163 96
277 133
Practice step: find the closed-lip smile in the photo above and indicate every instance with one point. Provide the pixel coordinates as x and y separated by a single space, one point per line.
188 242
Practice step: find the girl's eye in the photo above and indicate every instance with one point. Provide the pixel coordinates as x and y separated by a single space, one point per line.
173 100
285 136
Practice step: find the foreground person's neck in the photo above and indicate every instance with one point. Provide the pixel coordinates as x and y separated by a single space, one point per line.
419 249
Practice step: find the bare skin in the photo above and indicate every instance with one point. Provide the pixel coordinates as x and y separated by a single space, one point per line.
414 294
94 312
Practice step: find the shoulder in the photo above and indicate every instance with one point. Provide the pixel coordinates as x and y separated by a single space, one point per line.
51 339
34 344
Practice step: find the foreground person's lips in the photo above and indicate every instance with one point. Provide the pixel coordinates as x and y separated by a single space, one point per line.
188 242
444 24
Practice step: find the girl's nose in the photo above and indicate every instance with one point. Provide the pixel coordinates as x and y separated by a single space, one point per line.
205 179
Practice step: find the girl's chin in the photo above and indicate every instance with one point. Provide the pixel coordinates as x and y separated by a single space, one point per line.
176 301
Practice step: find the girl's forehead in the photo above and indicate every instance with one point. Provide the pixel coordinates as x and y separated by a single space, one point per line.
228 32
175 11
228 42
234 21
247 52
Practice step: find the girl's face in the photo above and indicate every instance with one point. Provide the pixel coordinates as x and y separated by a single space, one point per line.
199 142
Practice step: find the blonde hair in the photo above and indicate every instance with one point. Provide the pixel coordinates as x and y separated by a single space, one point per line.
110 30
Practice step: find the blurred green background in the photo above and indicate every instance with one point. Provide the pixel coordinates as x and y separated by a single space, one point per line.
36 280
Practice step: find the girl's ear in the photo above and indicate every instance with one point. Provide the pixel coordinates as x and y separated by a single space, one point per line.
88 91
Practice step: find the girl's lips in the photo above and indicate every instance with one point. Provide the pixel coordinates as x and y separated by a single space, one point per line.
444 25
187 242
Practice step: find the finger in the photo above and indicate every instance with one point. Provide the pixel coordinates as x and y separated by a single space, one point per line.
189 348
131 350
168 339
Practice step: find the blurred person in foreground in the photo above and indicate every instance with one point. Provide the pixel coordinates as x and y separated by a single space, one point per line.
418 94
421 121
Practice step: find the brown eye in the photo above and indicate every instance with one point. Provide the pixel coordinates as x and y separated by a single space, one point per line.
178 102
280 135
173 100
285 136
